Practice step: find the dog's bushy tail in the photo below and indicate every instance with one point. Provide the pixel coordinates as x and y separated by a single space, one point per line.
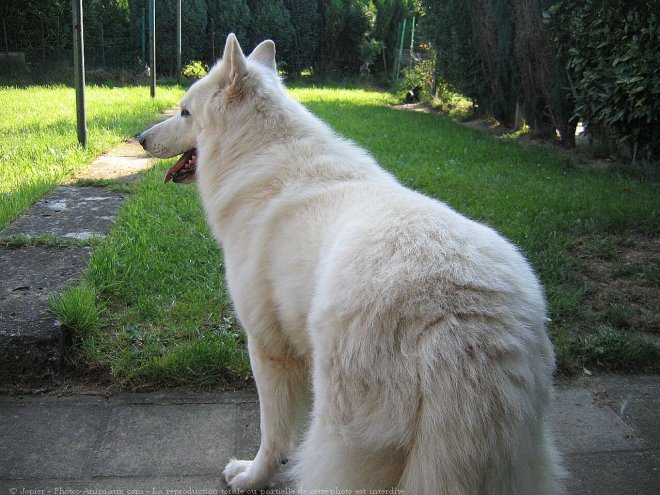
446 459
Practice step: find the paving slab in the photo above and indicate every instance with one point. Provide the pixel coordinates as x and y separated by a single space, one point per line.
147 444
614 473
248 435
69 212
583 425
160 485
32 341
122 163
636 400
161 440
124 442
51 440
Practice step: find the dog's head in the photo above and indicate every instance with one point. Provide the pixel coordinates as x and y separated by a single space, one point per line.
226 85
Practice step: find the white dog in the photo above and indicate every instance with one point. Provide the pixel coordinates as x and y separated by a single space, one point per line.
418 333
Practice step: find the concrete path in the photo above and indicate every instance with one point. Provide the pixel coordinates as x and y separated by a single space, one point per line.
32 343
177 444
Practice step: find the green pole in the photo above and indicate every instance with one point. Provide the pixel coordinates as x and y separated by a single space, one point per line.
398 60
436 73
143 37
152 45
178 41
412 36
79 70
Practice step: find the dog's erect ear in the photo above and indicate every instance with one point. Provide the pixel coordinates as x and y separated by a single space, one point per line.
234 55
264 53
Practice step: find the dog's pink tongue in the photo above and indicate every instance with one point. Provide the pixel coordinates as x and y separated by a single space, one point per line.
184 168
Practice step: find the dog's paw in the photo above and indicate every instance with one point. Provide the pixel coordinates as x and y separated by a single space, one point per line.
237 476
234 468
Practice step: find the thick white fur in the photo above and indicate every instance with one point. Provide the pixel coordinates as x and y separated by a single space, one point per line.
419 333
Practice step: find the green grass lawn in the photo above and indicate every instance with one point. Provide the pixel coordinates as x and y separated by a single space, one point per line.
38 143
160 313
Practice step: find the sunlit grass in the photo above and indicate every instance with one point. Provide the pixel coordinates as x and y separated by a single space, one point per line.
159 275
38 140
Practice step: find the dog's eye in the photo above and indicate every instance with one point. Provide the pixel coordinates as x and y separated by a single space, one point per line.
185 113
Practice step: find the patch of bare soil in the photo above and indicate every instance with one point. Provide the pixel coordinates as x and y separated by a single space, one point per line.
576 155
488 125
416 107
623 284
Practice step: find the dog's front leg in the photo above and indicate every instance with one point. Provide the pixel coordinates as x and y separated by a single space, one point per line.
282 384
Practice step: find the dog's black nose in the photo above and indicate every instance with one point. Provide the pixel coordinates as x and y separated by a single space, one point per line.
141 139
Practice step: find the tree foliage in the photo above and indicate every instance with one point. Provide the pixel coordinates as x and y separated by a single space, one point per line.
611 54
305 22
272 20
557 61
193 32
322 35
42 30
225 16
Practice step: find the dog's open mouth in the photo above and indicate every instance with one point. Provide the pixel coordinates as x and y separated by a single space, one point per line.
184 169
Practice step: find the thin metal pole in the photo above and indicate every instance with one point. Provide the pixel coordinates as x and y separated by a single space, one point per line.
79 70
178 41
212 41
412 37
7 61
398 60
143 38
436 72
152 44
4 28
102 45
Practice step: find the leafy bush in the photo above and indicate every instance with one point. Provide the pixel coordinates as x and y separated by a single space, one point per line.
272 20
195 69
418 75
193 36
226 16
453 104
613 68
369 52
306 23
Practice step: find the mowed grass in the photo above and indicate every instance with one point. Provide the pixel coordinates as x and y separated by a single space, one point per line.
165 316
591 235
38 140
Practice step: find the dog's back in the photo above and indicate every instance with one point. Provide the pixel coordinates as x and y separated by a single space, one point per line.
421 333
424 331
432 365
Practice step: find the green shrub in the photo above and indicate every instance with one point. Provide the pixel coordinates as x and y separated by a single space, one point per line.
418 75
195 69
369 53
614 68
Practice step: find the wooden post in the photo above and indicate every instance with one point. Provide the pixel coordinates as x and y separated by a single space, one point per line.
79 70
152 45
178 41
